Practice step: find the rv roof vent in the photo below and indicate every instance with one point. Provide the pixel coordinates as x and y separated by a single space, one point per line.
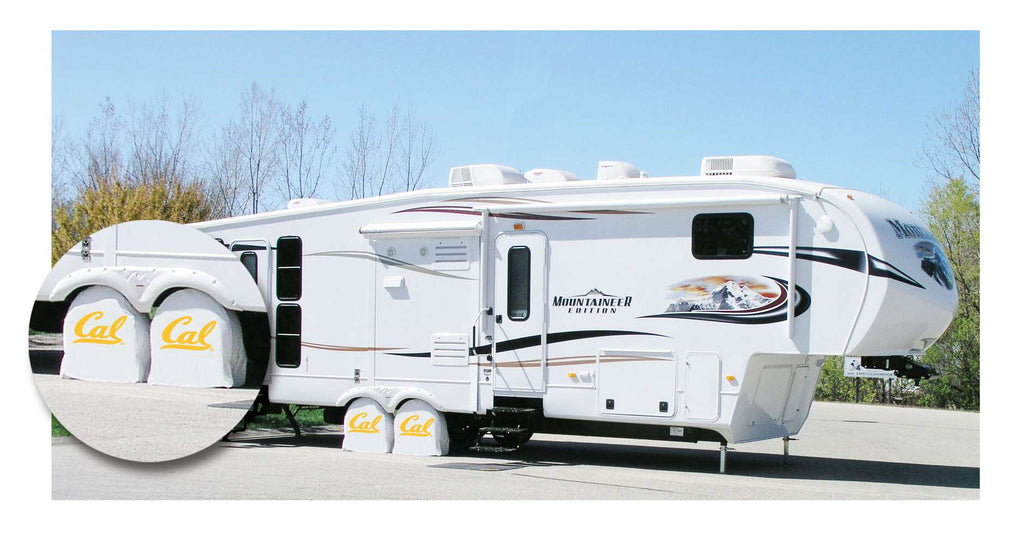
754 165
303 202
484 175
549 175
615 170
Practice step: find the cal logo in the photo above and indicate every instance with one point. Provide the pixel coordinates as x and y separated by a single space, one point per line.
184 338
410 427
360 423
103 334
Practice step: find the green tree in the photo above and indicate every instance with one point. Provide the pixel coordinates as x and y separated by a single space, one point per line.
953 214
111 200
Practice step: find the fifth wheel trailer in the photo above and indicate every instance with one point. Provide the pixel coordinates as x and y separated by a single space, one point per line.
688 308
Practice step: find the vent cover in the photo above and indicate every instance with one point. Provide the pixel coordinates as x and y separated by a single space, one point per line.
715 166
449 349
451 255
750 165
484 175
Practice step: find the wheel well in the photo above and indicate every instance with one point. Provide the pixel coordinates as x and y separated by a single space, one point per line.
48 316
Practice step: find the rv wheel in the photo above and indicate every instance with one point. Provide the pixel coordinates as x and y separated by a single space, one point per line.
464 431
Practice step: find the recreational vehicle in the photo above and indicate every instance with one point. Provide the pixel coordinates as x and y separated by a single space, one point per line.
695 308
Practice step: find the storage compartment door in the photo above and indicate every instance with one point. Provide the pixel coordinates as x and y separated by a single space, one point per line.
702 387
636 383
795 404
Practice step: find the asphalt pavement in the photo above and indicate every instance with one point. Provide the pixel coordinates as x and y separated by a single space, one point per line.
143 422
844 451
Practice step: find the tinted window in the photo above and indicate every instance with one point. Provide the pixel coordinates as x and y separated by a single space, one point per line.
723 236
250 261
289 251
289 268
519 283
289 335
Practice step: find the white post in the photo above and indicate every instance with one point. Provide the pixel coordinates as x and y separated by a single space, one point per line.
790 306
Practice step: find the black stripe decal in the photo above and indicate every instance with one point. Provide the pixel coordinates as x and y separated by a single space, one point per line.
534 341
839 257
854 260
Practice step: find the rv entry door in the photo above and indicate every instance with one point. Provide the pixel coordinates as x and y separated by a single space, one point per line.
520 313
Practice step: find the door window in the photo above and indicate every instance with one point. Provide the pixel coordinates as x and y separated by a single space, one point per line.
518 283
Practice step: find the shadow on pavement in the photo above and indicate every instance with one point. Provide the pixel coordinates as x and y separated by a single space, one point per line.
758 465
676 459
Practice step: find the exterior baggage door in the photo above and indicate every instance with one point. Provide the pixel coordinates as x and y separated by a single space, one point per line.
521 313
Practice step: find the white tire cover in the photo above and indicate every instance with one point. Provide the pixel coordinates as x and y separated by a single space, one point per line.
368 428
105 339
420 430
196 343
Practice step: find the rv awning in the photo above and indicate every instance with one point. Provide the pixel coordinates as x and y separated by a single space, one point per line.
421 229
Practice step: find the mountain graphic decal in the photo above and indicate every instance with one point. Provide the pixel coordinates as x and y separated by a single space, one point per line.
734 299
595 293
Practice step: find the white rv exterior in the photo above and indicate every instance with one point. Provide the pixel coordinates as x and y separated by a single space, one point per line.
696 308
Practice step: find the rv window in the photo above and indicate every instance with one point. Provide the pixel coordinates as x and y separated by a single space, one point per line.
289 268
519 283
728 236
250 262
289 335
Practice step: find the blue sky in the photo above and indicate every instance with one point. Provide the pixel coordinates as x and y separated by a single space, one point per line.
846 108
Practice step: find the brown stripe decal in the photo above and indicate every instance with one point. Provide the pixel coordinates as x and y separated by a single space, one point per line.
581 360
345 348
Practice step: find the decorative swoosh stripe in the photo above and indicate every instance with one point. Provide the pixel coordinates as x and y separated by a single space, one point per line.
609 211
387 261
534 341
456 209
345 348
575 361
468 210
496 200
839 257
882 268
854 260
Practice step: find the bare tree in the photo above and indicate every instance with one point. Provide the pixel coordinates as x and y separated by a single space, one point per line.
359 166
102 148
257 132
227 174
389 159
61 154
307 150
160 147
418 151
955 148
389 141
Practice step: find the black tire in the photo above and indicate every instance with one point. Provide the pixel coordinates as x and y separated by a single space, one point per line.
464 432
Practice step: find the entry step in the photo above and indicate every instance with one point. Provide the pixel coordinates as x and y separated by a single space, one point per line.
503 430
512 411
493 449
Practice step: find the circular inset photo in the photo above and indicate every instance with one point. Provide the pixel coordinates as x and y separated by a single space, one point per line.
149 340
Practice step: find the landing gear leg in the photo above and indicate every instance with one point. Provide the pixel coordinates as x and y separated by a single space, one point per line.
721 458
785 448
291 419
